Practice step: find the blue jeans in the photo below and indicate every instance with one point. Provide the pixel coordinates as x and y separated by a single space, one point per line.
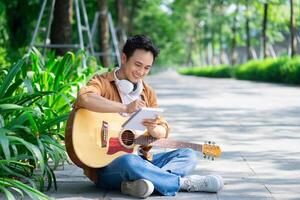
164 171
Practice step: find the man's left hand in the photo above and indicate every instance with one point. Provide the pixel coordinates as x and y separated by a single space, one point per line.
153 128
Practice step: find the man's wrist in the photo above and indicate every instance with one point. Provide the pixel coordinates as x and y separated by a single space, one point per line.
125 108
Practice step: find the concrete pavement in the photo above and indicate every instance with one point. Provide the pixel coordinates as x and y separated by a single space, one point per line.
257 125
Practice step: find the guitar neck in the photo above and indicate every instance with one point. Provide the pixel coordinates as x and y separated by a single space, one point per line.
149 140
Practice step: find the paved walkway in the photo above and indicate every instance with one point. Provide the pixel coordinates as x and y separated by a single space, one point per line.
257 125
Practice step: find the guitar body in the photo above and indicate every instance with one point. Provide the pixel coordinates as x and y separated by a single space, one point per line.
95 139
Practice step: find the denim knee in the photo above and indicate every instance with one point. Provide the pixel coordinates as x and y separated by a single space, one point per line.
189 154
130 161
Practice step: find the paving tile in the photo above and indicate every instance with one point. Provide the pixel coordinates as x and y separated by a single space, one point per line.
290 196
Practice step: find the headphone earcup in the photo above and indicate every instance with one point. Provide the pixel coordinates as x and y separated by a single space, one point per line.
125 86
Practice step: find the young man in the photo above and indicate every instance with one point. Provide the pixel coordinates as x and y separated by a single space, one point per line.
124 91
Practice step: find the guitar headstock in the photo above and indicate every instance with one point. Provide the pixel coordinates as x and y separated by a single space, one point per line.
210 150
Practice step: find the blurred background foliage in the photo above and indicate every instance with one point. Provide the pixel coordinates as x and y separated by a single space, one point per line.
197 32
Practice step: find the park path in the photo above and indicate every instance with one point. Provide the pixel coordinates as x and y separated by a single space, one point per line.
257 125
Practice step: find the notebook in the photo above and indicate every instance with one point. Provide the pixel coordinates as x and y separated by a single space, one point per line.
135 121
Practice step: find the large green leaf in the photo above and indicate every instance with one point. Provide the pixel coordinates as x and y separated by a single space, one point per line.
31 192
23 98
4 108
4 142
15 169
10 77
13 87
36 153
32 122
7 193
54 121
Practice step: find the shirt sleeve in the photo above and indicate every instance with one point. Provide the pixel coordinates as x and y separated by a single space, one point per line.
95 85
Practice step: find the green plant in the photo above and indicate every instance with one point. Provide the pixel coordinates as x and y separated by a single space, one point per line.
290 71
261 70
22 146
35 100
18 187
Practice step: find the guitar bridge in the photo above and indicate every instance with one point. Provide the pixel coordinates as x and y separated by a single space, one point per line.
104 134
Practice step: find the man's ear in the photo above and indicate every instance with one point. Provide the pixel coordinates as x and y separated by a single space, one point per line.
123 59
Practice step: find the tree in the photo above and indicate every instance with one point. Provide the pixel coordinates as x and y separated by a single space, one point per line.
233 41
61 28
293 30
121 22
264 30
248 37
104 32
16 26
132 12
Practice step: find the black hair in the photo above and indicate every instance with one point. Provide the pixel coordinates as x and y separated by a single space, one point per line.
139 42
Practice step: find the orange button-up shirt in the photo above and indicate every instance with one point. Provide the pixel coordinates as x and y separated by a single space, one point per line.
104 85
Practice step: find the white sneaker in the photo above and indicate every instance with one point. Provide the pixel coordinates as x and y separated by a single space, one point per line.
140 188
210 183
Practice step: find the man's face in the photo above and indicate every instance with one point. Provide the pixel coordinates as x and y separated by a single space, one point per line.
138 65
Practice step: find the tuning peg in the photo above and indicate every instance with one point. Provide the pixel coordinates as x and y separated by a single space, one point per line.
213 143
212 158
204 156
209 142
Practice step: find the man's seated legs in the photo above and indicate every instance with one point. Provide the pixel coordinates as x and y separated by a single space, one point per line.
181 162
131 167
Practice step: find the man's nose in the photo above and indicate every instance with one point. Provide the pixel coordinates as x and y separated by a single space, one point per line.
141 72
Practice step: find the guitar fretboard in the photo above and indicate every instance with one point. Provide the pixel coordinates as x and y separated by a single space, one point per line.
149 140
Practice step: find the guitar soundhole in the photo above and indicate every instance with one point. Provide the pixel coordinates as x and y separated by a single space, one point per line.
127 137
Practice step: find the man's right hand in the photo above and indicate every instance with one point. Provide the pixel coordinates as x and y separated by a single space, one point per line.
135 106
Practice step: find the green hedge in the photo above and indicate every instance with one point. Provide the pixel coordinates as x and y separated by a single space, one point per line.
223 71
290 71
276 70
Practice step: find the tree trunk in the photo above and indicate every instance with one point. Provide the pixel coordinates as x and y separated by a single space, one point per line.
210 31
222 61
248 37
61 27
190 43
264 30
122 18
233 41
293 30
104 32
130 24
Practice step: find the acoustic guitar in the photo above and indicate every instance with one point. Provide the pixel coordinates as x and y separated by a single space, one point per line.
96 139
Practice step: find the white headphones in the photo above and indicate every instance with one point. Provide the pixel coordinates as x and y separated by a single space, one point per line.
127 88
